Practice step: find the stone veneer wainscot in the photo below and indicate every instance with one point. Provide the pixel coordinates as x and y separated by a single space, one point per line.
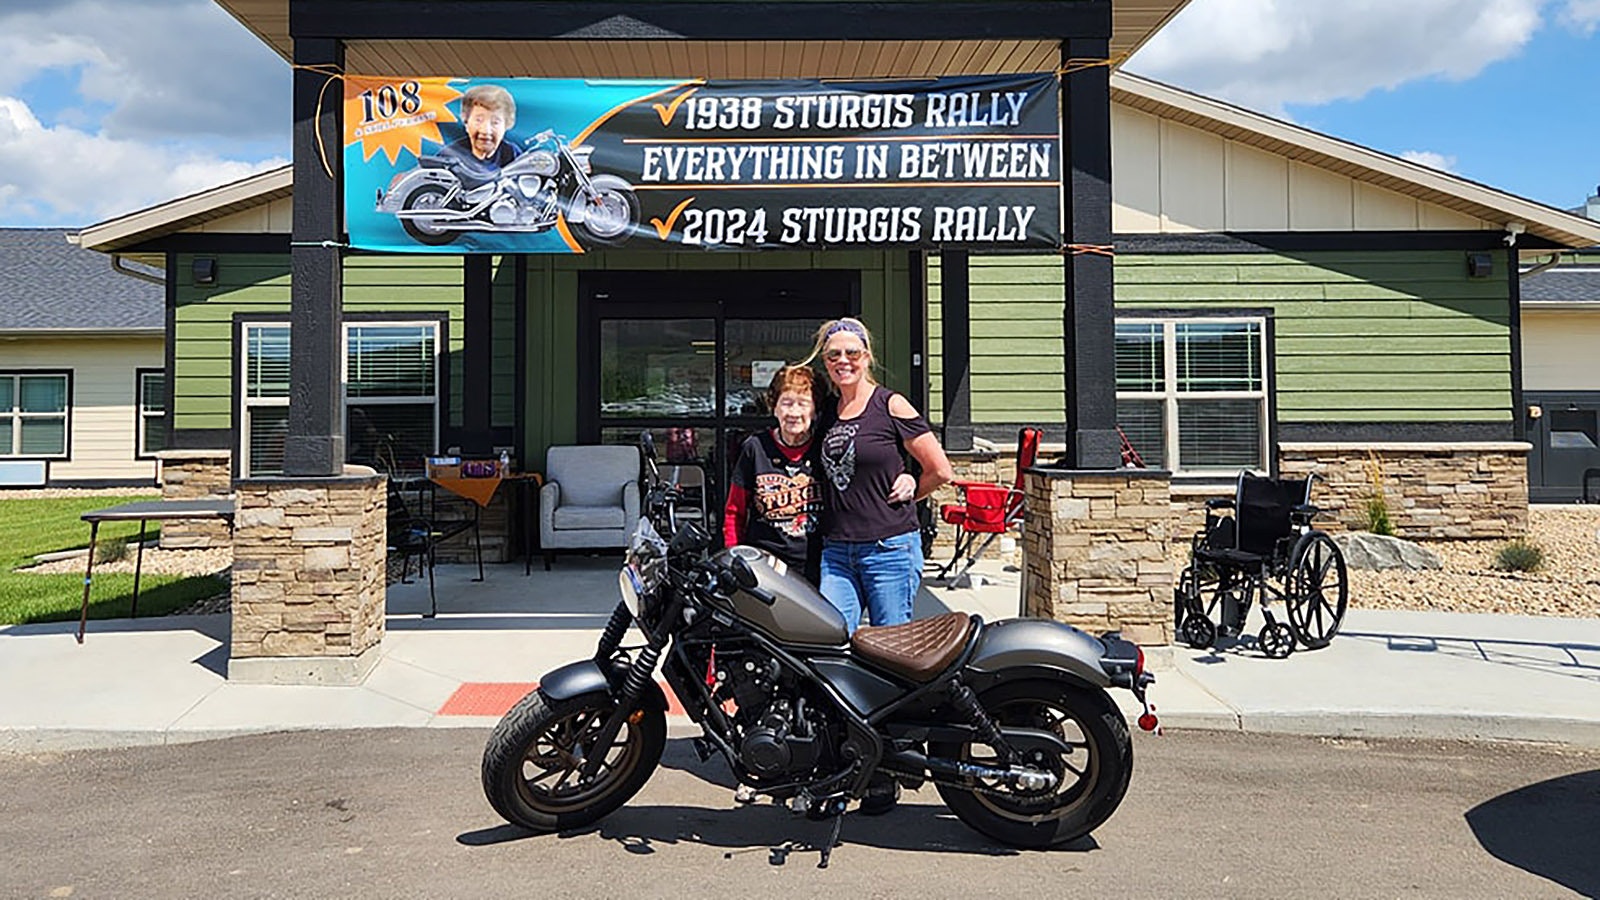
308 578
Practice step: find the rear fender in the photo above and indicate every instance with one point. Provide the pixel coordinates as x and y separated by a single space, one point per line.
587 677
1045 648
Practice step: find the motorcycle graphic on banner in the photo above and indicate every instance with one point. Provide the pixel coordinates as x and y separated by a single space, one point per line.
523 165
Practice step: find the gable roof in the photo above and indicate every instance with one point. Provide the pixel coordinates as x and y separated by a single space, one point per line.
1569 286
53 286
1351 160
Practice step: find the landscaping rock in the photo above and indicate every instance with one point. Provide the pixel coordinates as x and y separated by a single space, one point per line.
1364 550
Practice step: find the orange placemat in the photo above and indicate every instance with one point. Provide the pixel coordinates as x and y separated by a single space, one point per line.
478 490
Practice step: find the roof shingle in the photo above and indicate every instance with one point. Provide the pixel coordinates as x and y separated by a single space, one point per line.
51 284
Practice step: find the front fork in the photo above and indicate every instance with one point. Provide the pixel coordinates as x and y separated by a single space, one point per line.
639 674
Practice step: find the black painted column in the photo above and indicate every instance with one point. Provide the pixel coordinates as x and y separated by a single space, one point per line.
477 348
1089 316
955 348
315 442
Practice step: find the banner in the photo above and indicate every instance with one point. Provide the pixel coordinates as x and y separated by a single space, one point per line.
525 165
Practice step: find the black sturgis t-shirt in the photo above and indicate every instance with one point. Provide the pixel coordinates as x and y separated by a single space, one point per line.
785 499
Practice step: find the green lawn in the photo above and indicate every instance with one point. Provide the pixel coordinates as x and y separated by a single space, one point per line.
29 527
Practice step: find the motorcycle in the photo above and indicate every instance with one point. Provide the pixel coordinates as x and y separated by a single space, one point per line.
1010 721
442 197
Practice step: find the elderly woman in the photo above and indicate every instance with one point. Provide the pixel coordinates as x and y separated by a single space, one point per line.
774 497
872 544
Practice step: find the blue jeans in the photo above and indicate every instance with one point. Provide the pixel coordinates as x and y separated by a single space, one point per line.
882 576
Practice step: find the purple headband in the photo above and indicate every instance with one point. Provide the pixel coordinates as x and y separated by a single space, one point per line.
849 325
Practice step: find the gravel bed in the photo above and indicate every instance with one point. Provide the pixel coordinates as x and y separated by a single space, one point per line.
1568 584
57 493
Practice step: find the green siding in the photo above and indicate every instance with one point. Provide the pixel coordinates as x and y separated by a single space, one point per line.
1401 336
202 378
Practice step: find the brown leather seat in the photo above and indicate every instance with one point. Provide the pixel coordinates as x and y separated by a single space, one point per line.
918 650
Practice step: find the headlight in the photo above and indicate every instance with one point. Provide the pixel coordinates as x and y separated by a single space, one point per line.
632 587
582 154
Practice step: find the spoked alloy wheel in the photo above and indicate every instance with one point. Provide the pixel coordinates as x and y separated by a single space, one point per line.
531 766
1318 590
1091 778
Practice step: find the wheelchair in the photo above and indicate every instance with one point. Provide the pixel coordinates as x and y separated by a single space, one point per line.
1260 547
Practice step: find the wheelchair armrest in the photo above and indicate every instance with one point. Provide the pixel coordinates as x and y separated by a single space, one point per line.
1303 513
1219 503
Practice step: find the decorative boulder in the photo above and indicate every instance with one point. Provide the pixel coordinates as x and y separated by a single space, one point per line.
1364 550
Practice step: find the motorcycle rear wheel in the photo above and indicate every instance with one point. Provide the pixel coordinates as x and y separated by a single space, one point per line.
531 763
1092 782
424 198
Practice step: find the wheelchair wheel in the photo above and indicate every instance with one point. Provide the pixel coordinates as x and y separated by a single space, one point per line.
1276 640
1198 631
1318 589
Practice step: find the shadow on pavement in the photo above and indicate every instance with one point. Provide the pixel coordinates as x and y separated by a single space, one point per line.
1555 657
919 823
1547 829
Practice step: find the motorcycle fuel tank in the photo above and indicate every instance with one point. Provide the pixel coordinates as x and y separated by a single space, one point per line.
798 615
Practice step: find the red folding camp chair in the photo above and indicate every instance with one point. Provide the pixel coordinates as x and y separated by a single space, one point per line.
988 510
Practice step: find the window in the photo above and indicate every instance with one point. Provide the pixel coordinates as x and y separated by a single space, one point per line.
1192 392
265 397
391 394
152 419
33 413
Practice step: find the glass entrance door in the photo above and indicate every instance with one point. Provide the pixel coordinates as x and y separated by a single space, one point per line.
692 367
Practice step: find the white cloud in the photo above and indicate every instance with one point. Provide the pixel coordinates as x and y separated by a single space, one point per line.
1267 53
1581 15
63 176
162 68
1432 160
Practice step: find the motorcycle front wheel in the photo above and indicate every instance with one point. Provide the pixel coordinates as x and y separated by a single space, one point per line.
1092 776
610 217
531 764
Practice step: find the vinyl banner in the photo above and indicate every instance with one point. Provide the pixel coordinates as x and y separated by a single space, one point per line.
527 165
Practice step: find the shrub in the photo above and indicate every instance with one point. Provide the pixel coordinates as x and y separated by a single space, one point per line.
1520 556
1377 516
111 550
1377 507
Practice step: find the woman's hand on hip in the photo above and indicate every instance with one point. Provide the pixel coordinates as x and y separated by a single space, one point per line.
903 489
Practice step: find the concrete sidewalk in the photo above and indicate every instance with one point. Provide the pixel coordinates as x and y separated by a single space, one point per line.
162 680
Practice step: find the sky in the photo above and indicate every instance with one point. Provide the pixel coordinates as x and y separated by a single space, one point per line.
109 106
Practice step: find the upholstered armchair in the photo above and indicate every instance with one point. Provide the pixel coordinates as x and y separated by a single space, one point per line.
590 498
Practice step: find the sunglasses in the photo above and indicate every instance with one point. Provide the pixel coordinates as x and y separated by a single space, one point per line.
850 353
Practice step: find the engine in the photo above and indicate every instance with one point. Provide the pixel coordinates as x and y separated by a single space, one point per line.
782 733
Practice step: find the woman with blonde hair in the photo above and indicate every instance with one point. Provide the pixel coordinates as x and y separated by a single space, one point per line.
872 542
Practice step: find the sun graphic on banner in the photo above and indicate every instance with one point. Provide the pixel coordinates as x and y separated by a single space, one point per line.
393 115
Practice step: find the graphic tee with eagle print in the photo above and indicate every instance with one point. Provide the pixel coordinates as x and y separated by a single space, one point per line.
861 458
774 499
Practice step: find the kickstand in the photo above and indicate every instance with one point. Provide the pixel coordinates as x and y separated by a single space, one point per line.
833 840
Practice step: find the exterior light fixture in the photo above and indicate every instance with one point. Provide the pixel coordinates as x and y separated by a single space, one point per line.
205 270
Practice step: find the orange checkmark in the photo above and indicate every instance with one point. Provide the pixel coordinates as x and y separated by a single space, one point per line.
667 112
665 228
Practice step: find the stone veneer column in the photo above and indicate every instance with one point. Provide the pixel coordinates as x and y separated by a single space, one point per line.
308 578
1095 551
195 475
